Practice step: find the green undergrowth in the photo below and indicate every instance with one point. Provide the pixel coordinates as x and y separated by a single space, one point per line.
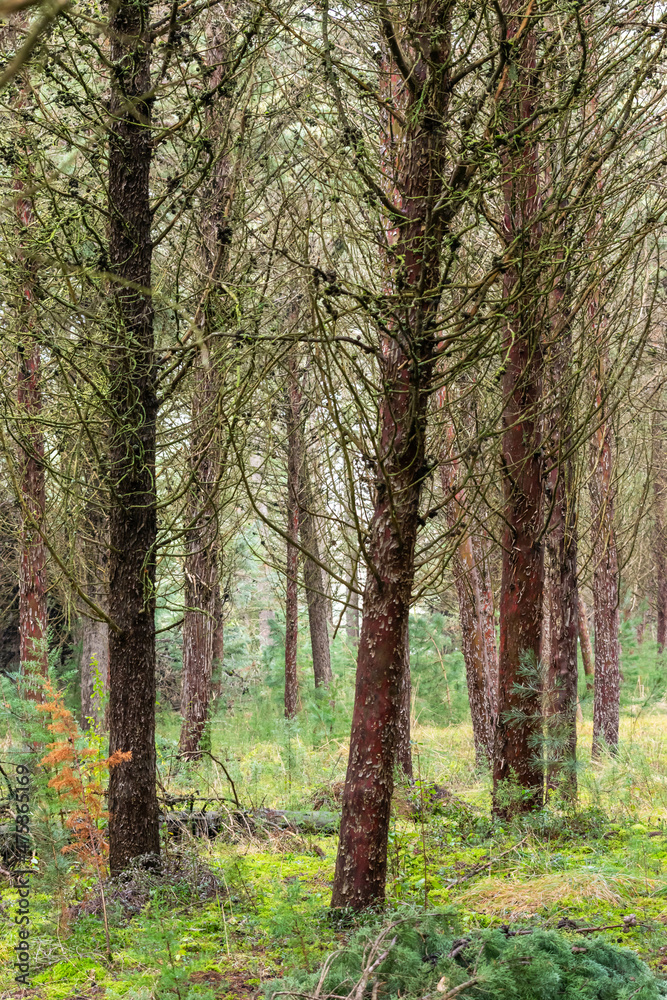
247 914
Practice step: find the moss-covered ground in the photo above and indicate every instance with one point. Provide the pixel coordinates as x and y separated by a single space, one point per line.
239 911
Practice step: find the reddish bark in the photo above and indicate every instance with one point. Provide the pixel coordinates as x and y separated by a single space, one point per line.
132 400
517 755
415 156
585 639
606 702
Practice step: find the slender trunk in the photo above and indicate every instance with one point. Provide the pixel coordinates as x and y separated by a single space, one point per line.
585 639
517 755
201 569
95 647
32 559
313 578
94 669
133 808
291 600
562 650
404 743
416 157
660 531
606 702
560 655
202 623
32 550
313 575
218 640
352 609
478 641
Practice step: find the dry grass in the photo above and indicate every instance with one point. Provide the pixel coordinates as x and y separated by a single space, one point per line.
514 897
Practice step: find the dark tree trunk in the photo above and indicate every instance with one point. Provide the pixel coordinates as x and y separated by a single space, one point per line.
291 599
202 623
585 639
133 808
404 743
517 755
660 531
416 158
606 703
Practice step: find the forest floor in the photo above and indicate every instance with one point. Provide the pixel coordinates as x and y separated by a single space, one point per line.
233 914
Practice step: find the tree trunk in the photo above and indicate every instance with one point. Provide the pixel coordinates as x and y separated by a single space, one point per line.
660 531
585 639
218 640
352 609
313 575
32 560
404 744
313 578
415 155
202 623
562 650
517 755
606 702
478 640
560 654
94 669
32 550
133 808
291 600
